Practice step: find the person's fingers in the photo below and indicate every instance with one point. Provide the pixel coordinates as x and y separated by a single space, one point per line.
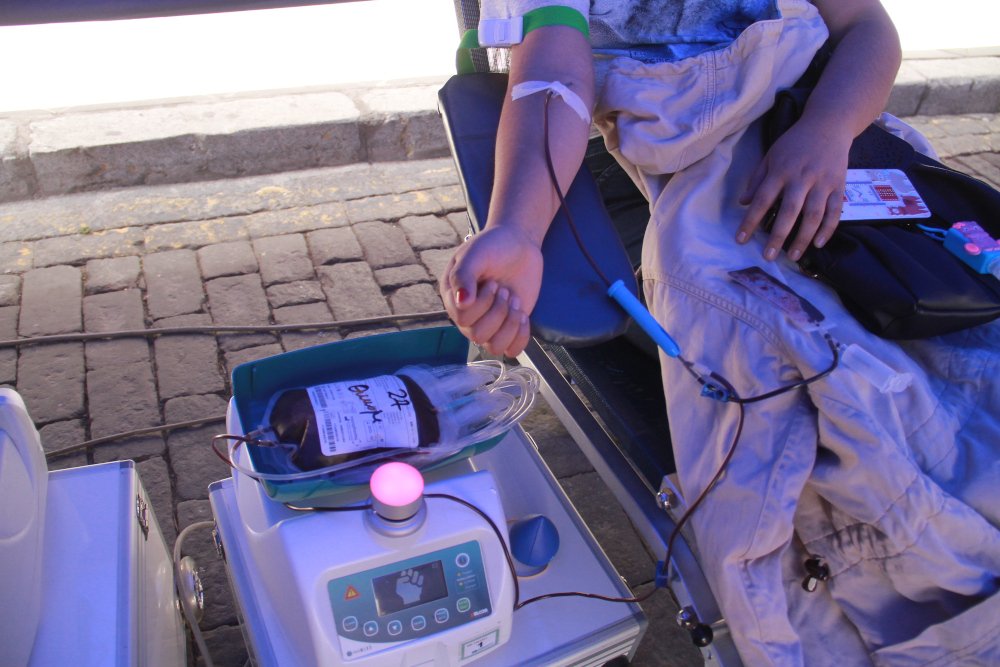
831 218
520 341
486 326
792 199
809 221
765 196
504 337
755 180
469 315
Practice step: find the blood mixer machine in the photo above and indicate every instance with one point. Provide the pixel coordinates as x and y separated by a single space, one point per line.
418 568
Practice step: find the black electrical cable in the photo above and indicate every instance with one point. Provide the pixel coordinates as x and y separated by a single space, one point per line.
218 329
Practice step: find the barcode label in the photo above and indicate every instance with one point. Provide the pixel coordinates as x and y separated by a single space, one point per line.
364 414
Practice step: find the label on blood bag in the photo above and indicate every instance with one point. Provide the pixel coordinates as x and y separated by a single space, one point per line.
364 414
881 194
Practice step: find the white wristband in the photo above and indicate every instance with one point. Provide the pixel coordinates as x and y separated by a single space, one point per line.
558 89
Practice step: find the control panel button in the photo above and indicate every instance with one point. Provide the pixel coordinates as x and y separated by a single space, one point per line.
462 560
441 615
463 605
370 629
394 627
349 624
418 623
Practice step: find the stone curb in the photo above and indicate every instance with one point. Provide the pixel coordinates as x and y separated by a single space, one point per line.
76 150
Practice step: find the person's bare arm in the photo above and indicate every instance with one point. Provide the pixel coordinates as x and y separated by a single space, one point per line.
493 281
806 168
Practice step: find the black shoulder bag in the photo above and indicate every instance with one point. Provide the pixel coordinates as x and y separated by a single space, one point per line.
897 280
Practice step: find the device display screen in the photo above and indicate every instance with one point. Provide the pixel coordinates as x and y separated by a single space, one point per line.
409 587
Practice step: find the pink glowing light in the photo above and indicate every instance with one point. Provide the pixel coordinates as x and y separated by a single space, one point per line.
397 484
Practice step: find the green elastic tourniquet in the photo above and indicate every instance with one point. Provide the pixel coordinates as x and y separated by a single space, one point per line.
536 18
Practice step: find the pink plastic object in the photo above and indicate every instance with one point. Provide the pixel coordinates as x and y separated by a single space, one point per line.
397 490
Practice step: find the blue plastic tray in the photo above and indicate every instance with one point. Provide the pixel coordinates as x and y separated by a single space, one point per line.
255 382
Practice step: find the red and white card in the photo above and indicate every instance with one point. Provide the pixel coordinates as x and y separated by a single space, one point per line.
881 194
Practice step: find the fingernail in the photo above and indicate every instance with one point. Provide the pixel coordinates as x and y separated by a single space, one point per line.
741 237
820 241
770 254
503 294
461 295
794 255
515 303
524 318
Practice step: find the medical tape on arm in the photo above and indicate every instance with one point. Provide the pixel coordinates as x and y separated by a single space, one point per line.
559 90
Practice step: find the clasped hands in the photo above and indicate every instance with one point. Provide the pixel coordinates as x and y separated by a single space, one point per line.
492 283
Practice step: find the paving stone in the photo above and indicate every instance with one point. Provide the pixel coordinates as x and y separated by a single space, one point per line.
50 379
962 144
173 283
604 516
192 460
10 290
459 221
155 477
982 167
296 220
401 276
351 291
51 301
227 259
115 311
220 608
418 174
283 259
291 294
187 364
300 314
436 261
83 247
429 231
557 447
240 301
8 355
450 197
106 275
384 244
392 207
329 246
226 646
122 398
16 257
148 205
194 234
64 434
422 298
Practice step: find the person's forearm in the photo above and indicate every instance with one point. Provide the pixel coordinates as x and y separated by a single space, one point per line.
523 195
855 84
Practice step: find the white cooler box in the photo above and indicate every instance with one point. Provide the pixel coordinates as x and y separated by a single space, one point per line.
104 594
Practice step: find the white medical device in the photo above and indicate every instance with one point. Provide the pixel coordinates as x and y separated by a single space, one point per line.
85 577
427 587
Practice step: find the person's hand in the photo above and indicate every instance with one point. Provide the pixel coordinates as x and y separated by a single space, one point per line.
803 176
491 286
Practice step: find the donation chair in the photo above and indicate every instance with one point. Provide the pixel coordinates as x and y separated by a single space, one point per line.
599 372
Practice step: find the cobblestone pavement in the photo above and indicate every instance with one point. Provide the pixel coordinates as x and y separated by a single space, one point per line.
334 244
